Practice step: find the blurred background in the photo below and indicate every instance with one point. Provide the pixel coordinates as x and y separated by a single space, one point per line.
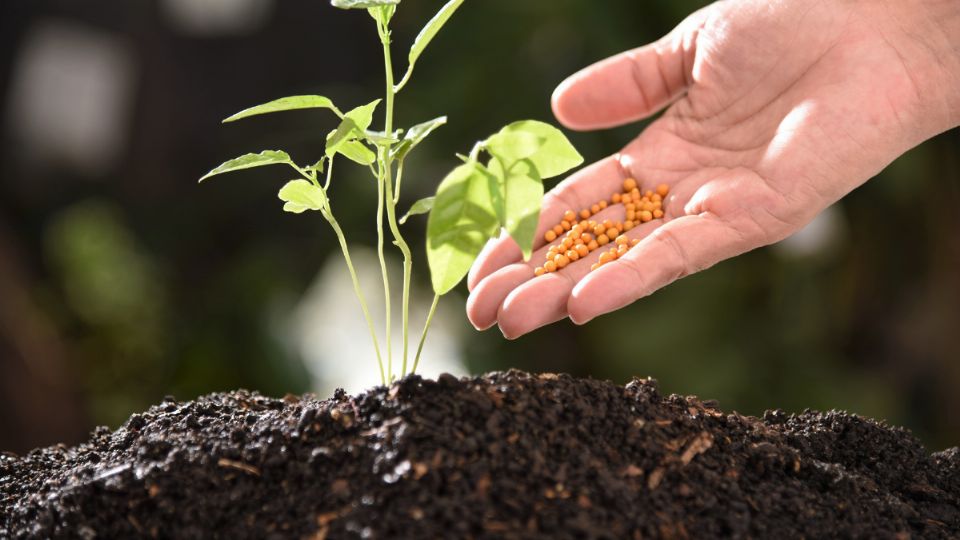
122 280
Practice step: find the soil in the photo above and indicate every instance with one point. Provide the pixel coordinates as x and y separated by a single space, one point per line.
506 455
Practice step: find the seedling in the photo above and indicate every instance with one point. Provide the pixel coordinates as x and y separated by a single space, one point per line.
472 204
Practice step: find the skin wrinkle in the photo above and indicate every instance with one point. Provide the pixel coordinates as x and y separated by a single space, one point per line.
748 210
668 91
697 88
932 28
914 85
737 99
735 225
721 130
710 144
799 215
636 73
666 237
723 126
689 46
934 53
849 136
776 98
774 65
641 284
782 226
652 131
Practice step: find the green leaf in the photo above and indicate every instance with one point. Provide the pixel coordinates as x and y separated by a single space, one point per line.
363 116
318 166
346 131
461 222
420 207
301 195
522 196
555 156
512 146
362 4
358 152
430 30
248 161
352 127
380 138
287 104
497 196
415 136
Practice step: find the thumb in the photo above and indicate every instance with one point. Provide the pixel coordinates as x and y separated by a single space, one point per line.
631 85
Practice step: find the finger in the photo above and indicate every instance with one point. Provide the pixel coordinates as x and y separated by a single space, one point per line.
542 301
581 190
497 253
486 298
632 85
679 248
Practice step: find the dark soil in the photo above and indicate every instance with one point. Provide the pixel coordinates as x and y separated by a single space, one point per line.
507 455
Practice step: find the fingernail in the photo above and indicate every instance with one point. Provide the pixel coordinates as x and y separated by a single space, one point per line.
508 335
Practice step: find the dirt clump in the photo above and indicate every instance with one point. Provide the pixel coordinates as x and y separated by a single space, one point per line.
505 455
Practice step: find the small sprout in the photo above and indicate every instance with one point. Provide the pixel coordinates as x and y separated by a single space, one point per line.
420 207
473 203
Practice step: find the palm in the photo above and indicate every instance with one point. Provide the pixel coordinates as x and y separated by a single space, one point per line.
795 116
757 142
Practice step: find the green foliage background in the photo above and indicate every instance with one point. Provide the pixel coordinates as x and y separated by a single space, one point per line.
158 286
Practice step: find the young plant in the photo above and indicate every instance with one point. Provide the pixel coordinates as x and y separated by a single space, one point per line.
472 204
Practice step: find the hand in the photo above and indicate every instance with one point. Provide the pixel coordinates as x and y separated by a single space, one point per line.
778 110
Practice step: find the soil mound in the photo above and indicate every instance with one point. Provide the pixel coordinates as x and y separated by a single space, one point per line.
506 455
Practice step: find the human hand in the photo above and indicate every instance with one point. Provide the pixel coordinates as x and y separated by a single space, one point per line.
778 110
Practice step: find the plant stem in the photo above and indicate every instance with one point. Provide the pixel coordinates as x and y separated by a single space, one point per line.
396 189
391 204
383 271
426 327
357 290
403 82
328 214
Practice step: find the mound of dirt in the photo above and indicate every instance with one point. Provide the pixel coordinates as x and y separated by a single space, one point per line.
506 455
